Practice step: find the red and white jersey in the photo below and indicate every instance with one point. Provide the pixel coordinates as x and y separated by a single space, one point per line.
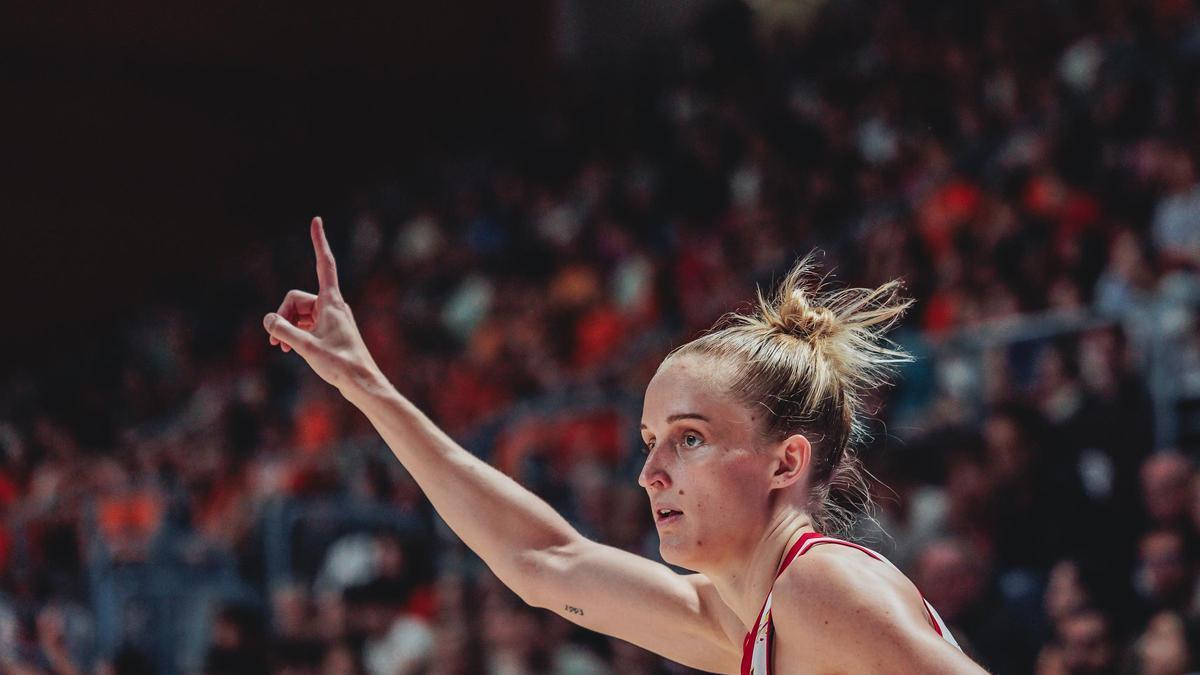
757 647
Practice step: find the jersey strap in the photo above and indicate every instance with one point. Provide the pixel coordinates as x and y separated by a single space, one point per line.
756 648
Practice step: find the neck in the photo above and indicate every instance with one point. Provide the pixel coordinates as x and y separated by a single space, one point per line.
744 583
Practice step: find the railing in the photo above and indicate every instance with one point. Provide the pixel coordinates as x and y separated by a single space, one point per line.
1161 331
161 602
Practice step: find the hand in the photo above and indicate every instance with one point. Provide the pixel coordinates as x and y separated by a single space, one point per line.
321 329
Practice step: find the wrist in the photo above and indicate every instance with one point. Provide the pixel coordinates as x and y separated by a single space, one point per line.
364 384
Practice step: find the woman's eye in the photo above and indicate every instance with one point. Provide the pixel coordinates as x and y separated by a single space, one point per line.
645 449
691 440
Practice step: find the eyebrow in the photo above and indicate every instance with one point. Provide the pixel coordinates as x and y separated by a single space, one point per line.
682 416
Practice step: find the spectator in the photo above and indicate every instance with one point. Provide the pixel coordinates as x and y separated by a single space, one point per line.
1177 217
1166 575
1002 159
1166 479
1085 646
955 581
1166 647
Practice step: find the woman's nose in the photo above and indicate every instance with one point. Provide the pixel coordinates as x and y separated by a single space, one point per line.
653 474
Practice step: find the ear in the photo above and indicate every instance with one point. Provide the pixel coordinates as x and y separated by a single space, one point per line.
793 456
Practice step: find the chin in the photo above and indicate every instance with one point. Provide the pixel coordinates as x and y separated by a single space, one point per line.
679 554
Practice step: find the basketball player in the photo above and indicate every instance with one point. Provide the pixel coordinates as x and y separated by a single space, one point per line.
749 433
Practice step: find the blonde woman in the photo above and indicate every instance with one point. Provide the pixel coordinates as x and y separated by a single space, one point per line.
749 436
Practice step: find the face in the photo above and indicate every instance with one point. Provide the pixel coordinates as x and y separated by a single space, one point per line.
1065 594
1005 450
1165 480
704 464
1087 649
1164 569
951 583
1163 647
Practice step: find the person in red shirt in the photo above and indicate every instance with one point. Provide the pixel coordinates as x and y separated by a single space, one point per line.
749 434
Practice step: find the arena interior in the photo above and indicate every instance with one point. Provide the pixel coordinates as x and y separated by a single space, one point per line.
179 497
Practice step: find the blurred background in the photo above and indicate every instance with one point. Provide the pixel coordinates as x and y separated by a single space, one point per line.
531 204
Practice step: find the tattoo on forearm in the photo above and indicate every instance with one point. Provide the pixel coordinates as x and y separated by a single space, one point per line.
573 610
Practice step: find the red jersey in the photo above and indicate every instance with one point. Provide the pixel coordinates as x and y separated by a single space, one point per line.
757 647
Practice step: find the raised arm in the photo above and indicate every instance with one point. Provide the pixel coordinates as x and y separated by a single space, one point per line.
528 545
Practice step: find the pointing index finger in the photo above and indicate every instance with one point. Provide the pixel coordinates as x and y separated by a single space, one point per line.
326 267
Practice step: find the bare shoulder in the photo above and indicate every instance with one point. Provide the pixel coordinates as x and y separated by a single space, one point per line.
834 579
836 608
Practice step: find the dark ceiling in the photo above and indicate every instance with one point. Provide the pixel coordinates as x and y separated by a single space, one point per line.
139 142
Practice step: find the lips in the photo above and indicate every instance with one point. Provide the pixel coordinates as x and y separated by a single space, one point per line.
666 514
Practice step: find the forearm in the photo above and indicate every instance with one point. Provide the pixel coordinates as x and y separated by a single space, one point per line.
508 526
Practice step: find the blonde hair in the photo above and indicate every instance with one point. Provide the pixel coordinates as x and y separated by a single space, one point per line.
808 356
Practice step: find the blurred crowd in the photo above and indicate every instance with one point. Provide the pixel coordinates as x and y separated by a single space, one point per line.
1006 159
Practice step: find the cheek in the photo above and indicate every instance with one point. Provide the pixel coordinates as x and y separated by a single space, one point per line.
720 490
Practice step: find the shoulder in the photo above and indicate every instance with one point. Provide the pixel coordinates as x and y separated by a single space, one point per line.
832 583
836 604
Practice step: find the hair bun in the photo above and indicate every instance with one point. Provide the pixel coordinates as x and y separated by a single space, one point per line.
801 320
848 323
